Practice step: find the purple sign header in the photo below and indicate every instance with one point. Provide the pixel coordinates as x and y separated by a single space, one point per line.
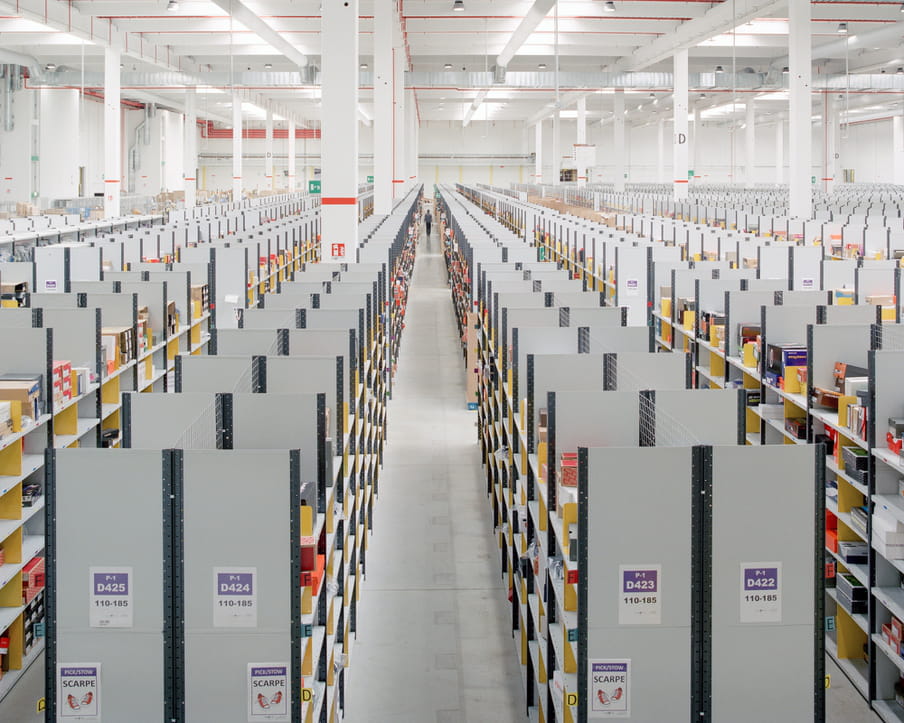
77 672
234 583
610 668
267 671
761 578
640 581
111 583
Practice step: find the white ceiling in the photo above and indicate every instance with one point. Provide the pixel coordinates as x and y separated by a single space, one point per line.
201 34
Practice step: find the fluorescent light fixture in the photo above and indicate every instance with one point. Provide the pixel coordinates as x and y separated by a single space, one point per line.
268 66
172 6
842 29
447 66
541 66
458 6
785 70
50 67
902 7
609 7
363 66
720 69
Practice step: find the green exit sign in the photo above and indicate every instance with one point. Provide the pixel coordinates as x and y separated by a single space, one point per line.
313 186
370 179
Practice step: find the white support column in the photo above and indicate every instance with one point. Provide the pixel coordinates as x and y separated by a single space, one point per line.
749 143
800 55
236 148
698 132
339 135
660 160
556 147
897 126
268 152
830 128
780 151
293 186
112 134
679 155
412 126
618 125
538 152
582 137
190 148
399 63
384 17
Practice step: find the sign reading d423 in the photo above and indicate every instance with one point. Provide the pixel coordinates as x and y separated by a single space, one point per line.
640 595
268 692
78 691
609 689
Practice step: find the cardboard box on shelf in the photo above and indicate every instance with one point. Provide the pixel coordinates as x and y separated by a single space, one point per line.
123 338
25 389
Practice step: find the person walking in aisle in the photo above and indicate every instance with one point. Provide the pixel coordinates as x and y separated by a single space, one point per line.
428 222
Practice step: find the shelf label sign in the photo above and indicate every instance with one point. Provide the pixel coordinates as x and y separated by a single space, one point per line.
807 283
50 285
632 287
640 596
761 592
268 692
235 597
78 691
111 603
609 689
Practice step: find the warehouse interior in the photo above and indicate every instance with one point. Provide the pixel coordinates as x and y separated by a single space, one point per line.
310 138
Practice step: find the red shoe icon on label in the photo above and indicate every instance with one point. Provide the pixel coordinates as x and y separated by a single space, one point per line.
89 696
617 694
73 702
262 701
603 698
277 699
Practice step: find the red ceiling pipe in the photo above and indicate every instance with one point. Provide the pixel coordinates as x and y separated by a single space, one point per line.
210 130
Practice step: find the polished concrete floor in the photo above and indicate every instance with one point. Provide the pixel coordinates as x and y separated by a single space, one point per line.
434 641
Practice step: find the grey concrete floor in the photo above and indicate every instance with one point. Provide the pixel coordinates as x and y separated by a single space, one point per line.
434 641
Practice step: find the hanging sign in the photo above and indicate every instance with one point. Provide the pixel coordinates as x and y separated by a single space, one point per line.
235 597
110 597
268 692
639 599
761 592
632 287
609 689
78 691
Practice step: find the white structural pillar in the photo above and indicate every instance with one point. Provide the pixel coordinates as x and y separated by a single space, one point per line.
581 139
680 149
618 126
800 104
399 165
831 130
556 147
695 147
660 159
780 151
339 135
749 142
190 148
236 148
268 151
384 18
538 152
112 134
290 151
897 126
412 128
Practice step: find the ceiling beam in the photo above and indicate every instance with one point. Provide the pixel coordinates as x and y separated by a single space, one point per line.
473 108
716 20
539 10
266 33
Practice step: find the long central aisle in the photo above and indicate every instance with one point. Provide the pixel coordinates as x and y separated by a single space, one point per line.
435 641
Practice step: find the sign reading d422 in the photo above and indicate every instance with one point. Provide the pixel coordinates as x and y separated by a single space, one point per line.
313 186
